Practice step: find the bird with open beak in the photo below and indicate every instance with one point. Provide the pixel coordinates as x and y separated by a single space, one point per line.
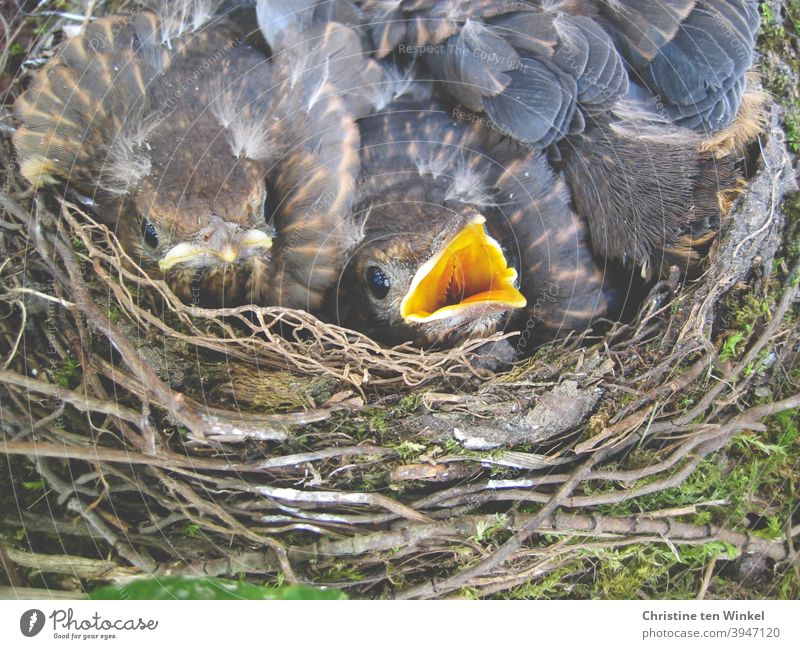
642 104
223 164
464 233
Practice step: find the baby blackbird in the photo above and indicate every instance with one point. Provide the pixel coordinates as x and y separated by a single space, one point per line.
639 103
463 230
167 151
220 169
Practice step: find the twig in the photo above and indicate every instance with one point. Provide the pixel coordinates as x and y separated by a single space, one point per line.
790 295
78 401
9 566
80 567
707 574
127 552
504 551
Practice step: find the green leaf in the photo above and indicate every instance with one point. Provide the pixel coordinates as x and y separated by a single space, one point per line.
189 588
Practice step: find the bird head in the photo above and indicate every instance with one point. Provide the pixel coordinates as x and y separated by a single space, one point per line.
170 151
427 274
199 214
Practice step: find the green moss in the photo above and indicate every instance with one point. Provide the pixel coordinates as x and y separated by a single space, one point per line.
653 570
555 585
114 314
626 398
68 375
493 532
741 316
16 50
792 127
755 479
409 450
379 420
191 530
729 346
340 572
780 44
656 570
791 208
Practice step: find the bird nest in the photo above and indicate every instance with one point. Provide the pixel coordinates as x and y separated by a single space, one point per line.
146 437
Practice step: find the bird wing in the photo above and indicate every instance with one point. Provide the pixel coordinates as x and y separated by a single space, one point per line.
82 117
426 22
691 57
531 69
566 288
87 115
646 190
642 28
322 85
537 68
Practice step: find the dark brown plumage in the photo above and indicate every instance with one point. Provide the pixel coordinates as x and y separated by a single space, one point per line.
646 101
647 190
165 148
221 169
618 96
426 180
260 176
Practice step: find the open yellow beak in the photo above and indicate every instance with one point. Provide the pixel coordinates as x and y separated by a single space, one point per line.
470 272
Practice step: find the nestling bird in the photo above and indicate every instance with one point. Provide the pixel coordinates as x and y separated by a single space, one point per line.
639 102
463 229
505 161
220 168
118 117
636 112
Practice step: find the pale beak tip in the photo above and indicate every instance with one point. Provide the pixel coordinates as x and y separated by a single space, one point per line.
228 254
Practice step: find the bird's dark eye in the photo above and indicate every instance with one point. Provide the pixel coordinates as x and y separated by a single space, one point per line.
378 282
149 233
